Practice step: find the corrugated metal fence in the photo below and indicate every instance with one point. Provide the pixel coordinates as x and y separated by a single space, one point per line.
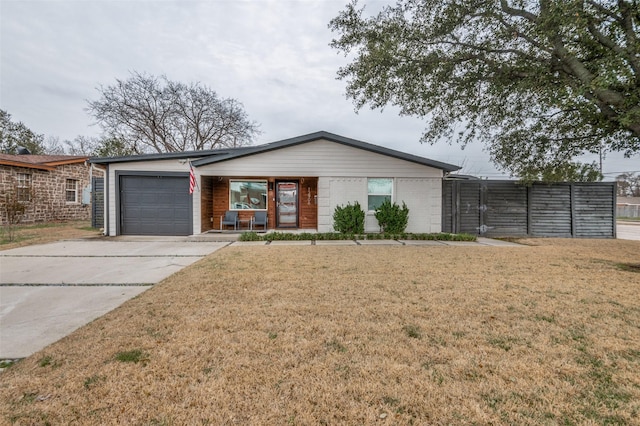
97 202
507 208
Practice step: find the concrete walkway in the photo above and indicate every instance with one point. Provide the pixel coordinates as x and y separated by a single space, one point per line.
628 230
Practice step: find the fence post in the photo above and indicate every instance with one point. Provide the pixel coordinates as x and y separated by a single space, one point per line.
572 202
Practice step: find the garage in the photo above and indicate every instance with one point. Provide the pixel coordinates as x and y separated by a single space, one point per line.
154 204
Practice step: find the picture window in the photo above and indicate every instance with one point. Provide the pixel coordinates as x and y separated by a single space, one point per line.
248 195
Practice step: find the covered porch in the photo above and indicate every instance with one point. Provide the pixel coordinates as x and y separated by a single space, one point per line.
290 202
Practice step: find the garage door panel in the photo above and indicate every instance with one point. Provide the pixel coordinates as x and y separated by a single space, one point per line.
155 205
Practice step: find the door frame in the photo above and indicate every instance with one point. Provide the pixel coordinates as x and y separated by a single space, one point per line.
277 209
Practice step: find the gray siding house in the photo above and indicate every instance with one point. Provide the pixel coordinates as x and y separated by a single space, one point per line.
297 182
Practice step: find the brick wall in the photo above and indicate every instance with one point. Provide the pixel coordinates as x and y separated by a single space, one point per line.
49 189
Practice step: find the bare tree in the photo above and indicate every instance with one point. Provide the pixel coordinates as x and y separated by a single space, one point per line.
15 202
155 114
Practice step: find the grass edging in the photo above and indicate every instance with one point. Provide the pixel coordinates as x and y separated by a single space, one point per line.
333 236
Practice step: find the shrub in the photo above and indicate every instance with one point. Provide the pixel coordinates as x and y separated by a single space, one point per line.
250 236
349 219
391 218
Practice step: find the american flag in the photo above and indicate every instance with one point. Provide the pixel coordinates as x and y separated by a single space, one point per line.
192 179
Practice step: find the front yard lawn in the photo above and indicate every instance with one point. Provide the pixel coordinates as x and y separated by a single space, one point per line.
48 232
548 333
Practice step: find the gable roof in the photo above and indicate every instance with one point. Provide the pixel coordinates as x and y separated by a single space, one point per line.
40 162
224 154
330 137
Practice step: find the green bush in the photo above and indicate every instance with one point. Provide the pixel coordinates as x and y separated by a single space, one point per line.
250 236
349 219
391 218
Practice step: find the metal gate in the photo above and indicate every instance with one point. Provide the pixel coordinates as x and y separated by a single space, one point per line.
507 208
97 202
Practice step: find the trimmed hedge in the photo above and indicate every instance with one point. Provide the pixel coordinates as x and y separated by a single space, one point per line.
307 236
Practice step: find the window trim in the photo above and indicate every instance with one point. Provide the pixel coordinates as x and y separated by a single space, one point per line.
391 195
67 191
266 188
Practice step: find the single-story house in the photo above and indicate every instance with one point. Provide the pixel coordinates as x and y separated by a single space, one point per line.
298 182
56 187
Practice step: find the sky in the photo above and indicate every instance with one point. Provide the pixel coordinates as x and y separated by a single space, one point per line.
273 56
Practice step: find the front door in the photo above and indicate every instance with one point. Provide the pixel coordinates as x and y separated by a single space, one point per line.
287 204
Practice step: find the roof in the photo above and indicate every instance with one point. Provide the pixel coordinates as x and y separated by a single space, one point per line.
40 162
628 200
218 155
163 156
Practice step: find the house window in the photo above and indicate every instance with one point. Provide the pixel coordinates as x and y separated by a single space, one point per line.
248 194
71 189
23 187
379 189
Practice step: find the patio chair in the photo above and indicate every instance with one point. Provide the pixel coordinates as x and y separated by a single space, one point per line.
230 218
259 219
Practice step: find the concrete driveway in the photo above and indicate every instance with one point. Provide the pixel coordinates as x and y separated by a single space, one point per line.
47 291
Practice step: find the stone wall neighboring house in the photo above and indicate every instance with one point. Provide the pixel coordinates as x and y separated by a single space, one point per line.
57 187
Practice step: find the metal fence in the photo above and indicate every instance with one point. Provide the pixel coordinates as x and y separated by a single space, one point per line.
628 210
97 202
507 208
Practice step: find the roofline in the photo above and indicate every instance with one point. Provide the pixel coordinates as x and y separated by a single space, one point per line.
159 156
223 154
333 138
68 161
27 165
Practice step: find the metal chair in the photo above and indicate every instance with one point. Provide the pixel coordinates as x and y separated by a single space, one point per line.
230 218
260 219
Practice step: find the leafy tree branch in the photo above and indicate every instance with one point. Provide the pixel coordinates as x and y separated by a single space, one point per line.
507 73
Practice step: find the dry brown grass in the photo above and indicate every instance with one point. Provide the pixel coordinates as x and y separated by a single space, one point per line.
47 233
544 334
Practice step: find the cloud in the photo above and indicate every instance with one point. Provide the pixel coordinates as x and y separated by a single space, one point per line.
271 55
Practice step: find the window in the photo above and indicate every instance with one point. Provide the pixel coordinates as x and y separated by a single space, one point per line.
248 194
24 187
379 189
71 189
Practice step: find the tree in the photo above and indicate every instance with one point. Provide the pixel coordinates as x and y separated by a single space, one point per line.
14 135
155 114
628 185
15 201
112 147
540 82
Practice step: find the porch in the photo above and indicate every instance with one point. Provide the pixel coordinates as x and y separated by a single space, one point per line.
291 203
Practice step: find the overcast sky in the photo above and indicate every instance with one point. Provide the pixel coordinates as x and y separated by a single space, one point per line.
272 56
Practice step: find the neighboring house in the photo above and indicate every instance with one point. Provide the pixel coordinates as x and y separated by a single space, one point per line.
55 186
298 182
628 207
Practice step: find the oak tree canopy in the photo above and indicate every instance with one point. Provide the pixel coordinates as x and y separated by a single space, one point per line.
539 82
